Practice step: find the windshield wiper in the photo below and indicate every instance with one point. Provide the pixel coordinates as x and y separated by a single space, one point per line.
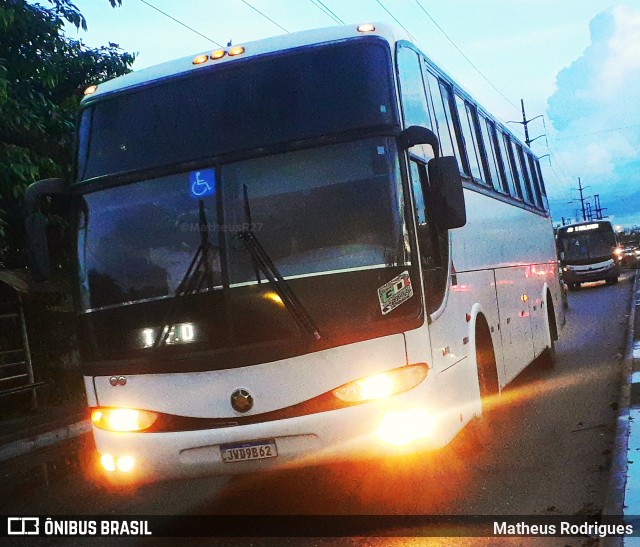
191 283
262 262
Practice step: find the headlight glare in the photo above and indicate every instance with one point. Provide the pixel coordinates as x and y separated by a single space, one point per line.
381 386
123 419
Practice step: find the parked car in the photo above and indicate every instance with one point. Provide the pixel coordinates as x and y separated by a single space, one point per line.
630 257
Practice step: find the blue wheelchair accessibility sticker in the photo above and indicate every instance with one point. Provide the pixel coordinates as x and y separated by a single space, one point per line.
202 183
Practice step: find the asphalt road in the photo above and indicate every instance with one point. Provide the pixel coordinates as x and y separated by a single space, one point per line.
549 452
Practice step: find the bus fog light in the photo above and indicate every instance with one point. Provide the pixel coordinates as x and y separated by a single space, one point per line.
125 463
107 462
401 427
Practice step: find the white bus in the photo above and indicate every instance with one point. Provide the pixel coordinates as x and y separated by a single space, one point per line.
587 253
274 263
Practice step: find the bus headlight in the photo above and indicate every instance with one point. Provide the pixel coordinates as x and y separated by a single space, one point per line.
123 419
381 386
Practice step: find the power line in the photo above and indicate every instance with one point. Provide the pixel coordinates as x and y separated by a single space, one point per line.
397 21
181 23
327 11
265 16
622 128
463 54
558 157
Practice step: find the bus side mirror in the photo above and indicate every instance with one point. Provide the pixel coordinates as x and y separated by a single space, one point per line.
415 134
36 227
446 193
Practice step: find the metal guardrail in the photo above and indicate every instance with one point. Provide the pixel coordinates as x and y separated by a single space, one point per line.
16 370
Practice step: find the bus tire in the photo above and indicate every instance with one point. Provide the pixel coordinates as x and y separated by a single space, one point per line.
480 430
548 357
487 372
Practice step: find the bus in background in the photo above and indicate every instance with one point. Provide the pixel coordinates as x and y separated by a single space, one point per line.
304 249
587 253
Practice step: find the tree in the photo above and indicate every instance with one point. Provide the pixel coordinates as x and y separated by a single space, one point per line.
42 76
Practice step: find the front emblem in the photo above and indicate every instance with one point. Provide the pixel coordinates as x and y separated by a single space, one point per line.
241 400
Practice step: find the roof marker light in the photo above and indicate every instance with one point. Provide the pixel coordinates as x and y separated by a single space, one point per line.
236 50
200 59
91 89
218 54
366 27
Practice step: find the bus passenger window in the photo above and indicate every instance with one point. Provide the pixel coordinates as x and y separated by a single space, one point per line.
534 181
443 126
524 174
491 156
507 166
470 140
414 100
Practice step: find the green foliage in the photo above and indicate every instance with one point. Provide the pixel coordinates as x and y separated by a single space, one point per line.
42 76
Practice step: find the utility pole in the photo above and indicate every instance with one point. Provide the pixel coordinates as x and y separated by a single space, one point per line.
580 188
598 207
526 122
589 212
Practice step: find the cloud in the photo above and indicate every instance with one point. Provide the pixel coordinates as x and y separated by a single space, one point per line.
595 109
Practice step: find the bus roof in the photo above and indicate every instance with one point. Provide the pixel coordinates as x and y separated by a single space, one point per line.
251 49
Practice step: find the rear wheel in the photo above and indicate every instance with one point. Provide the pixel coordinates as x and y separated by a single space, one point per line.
548 357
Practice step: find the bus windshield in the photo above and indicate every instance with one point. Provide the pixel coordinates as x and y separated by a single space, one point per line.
239 106
336 209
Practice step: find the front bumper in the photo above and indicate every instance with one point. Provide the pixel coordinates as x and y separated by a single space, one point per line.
325 437
594 274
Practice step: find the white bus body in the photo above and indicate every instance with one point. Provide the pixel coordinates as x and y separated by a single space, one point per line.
501 296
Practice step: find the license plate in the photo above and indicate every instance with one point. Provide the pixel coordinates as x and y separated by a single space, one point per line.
244 452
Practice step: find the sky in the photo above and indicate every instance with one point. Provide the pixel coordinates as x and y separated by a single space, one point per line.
575 63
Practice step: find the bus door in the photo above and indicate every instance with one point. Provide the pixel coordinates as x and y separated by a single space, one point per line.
448 329
515 318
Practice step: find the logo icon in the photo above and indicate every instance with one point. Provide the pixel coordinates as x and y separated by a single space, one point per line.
23 526
241 400
202 183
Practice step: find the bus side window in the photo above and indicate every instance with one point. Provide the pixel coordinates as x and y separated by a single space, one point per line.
545 201
507 165
412 92
444 126
535 181
488 136
517 172
432 241
471 160
524 174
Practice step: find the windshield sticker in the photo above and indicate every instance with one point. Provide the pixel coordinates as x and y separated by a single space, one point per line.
202 183
394 293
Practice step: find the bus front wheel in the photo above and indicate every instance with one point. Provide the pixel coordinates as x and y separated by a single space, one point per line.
487 374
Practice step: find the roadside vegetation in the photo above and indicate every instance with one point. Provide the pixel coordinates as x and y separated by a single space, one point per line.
43 73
